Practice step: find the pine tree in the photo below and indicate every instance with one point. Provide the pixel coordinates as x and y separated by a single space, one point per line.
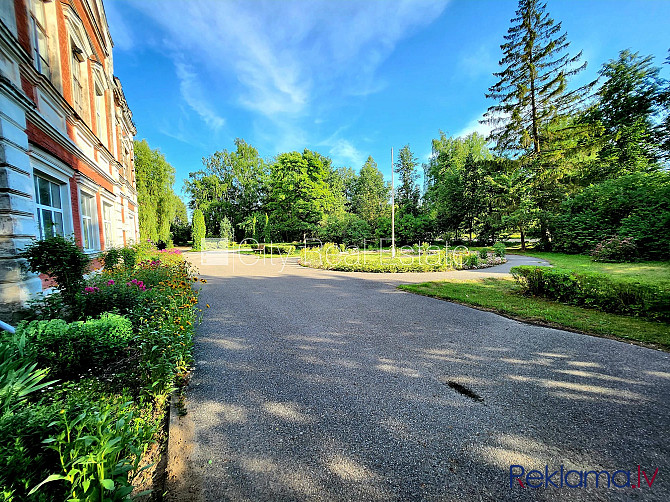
629 99
408 191
532 90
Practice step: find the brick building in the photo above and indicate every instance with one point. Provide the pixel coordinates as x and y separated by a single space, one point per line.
66 136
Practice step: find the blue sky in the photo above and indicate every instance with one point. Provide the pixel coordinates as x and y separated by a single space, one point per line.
345 78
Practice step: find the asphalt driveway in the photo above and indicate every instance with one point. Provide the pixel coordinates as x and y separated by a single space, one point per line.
318 385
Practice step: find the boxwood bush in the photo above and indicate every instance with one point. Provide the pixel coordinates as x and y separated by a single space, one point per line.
70 349
596 290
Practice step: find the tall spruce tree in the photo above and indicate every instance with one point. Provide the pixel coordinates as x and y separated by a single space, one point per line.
407 193
532 87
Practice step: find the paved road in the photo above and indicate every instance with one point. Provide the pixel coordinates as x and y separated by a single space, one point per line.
317 385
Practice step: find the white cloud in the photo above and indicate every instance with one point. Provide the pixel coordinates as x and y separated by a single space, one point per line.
118 29
479 62
475 126
279 58
344 153
193 94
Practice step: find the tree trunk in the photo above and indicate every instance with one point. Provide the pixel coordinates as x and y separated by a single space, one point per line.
523 240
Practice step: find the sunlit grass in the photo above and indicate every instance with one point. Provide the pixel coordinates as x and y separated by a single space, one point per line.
503 296
647 271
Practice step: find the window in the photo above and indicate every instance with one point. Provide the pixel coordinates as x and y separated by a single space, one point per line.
39 36
88 220
107 224
99 111
49 207
77 90
131 223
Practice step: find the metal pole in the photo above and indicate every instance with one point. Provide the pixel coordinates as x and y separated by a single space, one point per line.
7 327
392 209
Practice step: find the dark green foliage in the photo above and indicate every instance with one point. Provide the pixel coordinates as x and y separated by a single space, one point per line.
199 229
596 290
24 459
70 349
180 228
19 375
628 100
60 259
129 256
278 249
299 196
635 206
499 249
349 229
230 184
407 190
226 230
371 194
532 87
156 200
111 258
615 250
411 228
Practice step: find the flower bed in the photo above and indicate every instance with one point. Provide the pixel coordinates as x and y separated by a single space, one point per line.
329 257
81 402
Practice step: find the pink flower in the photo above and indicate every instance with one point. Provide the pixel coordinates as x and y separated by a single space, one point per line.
110 282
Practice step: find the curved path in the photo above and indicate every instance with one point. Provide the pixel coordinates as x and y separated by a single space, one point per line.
317 385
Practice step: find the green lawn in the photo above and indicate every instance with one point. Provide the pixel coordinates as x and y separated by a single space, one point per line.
644 271
503 296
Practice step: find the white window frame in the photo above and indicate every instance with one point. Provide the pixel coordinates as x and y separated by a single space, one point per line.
77 85
40 206
40 58
94 238
45 166
131 232
99 111
108 223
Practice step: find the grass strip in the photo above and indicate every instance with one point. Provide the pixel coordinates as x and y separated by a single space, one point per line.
504 297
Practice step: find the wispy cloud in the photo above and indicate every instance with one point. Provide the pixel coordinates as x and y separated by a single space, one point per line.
475 126
344 153
119 30
192 92
480 61
279 58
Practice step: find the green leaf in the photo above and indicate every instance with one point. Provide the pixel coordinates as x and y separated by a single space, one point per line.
108 484
53 477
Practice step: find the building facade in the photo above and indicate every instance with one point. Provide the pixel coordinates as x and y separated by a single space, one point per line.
66 136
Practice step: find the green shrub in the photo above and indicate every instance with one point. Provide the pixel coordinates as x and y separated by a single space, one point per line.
24 459
499 249
484 253
226 230
62 260
635 206
199 229
279 249
615 250
129 256
471 260
97 449
596 290
19 375
70 349
111 258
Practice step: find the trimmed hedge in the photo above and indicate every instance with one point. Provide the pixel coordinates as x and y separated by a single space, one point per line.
279 249
595 290
70 349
